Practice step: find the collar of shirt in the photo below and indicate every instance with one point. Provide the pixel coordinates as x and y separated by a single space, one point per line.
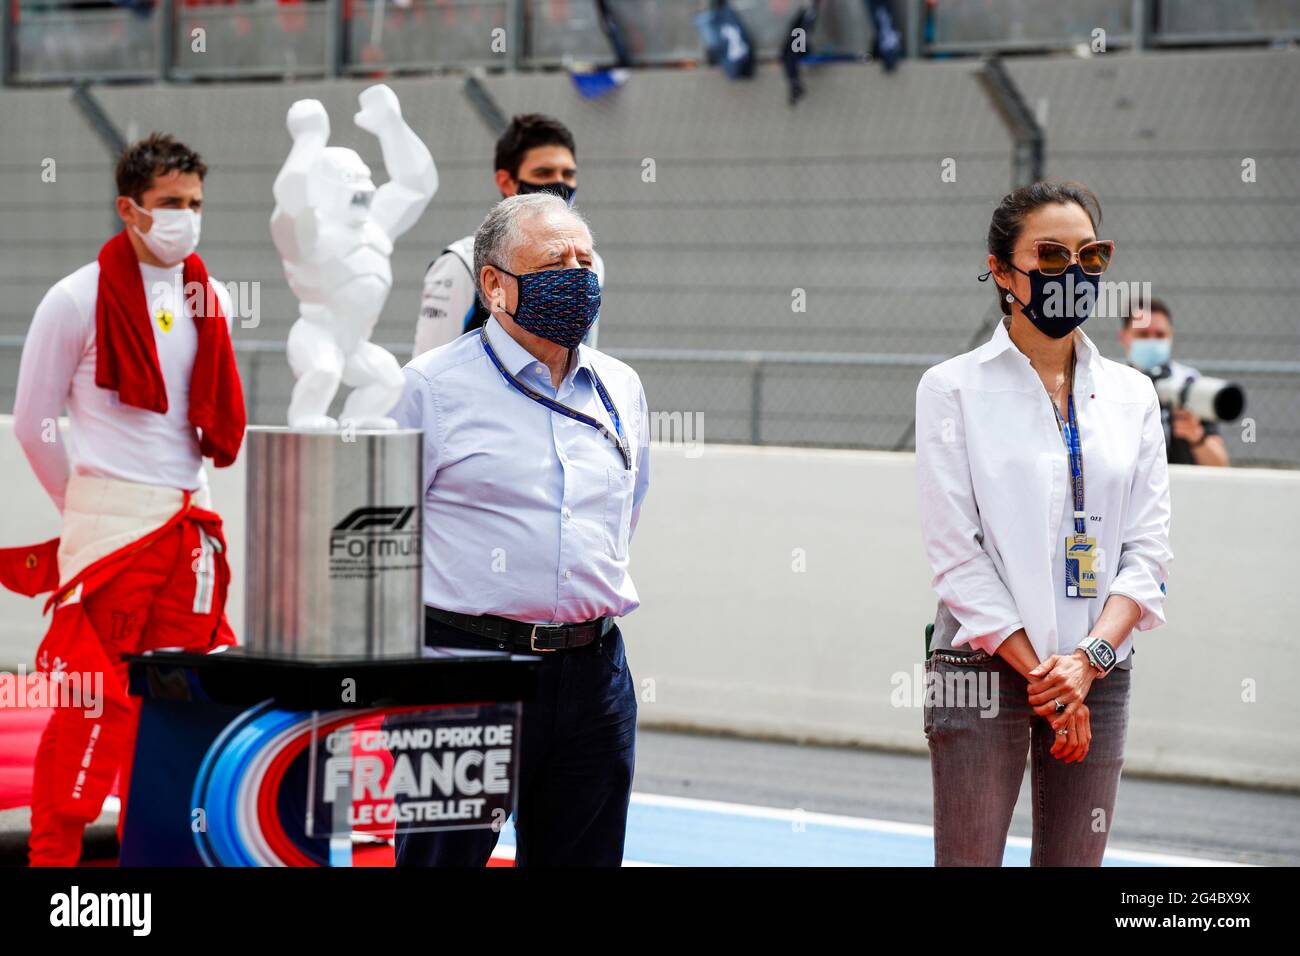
1089 357
519 361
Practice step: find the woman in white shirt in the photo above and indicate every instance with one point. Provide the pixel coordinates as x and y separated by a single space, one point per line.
1042 577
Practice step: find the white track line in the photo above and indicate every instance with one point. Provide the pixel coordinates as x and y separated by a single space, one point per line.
886 826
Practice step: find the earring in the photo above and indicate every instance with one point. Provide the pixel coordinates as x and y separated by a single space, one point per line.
1010 297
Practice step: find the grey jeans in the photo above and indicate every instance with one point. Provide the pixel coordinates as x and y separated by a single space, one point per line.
978 762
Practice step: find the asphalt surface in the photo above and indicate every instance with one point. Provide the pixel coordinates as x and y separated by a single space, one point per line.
1214 822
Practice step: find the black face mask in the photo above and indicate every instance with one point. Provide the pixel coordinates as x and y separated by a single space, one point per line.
1058 304
561 189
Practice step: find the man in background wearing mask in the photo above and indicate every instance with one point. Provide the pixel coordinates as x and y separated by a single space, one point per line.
1148 340
137 345
536 452
536 153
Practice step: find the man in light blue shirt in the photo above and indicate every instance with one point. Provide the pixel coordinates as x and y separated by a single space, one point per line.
536 462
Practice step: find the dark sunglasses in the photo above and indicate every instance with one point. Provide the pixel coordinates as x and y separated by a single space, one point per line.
1054 258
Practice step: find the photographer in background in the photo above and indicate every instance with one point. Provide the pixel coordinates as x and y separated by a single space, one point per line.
1148 339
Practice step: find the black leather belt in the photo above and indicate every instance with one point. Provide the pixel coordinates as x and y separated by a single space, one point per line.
532 637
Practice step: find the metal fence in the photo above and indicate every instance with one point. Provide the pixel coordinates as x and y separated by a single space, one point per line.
816 399
1240 21
44 41
966 26
56 42
728 396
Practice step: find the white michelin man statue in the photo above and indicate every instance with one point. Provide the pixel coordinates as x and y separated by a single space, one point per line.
335 234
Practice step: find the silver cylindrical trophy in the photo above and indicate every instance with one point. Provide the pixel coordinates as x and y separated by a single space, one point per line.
334 532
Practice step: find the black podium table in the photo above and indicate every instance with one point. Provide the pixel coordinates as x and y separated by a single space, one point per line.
245 760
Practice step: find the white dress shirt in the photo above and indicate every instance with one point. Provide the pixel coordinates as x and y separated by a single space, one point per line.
528 514
993 479
109 439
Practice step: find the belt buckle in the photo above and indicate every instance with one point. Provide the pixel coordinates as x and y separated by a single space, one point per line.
532 638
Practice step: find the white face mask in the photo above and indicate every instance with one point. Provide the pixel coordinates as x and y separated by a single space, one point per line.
173 235
1150 354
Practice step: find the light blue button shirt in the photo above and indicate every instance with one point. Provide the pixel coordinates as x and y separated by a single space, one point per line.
528 514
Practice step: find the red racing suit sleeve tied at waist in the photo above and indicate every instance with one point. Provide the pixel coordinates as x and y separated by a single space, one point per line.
195 620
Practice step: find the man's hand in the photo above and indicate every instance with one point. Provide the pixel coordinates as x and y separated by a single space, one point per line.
308 118
1063 677
379 108
1186 425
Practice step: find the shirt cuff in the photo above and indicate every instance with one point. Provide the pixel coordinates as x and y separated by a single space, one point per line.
989 643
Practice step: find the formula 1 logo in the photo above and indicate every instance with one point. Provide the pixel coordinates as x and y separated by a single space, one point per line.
383 519
375 539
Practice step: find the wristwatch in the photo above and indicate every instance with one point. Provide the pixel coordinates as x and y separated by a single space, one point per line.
1101 654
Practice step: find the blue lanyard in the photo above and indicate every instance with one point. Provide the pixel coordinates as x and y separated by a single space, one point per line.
1073 444
620 442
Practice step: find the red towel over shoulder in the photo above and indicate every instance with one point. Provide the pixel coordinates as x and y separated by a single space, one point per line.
126 357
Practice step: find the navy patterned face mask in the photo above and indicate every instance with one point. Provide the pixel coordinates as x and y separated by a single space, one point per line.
559 305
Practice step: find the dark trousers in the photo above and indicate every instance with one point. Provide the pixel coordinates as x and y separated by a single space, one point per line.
575 767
